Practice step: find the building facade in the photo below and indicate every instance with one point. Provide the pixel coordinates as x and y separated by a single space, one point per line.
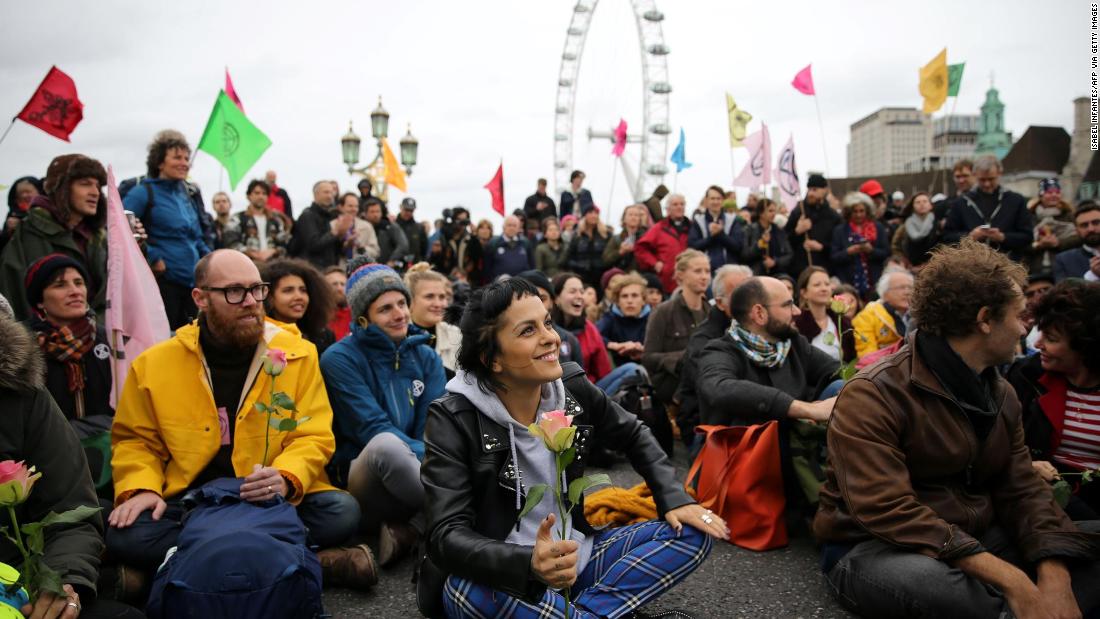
887 141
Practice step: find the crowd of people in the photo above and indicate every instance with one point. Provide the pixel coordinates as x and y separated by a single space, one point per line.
421 351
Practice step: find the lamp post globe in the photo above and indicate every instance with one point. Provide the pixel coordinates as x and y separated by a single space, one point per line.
409 146
379 121
350 146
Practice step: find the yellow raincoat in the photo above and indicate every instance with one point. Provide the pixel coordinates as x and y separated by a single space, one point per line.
874 329
166 428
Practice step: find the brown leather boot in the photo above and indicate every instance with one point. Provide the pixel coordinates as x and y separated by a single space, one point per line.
353 568
395 540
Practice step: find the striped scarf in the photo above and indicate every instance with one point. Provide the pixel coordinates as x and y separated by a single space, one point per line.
758 349
68 345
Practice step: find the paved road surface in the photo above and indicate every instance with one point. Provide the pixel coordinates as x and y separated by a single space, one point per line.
733 582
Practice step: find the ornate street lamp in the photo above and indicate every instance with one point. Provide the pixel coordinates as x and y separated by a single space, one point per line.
350 144
409 145
379 121
375 171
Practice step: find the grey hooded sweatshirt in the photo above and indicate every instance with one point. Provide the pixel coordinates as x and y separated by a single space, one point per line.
534 461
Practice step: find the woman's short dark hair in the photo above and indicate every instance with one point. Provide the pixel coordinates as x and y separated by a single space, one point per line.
958 282
321 299
163 142
479 321
1070 308
573 175
761 205
908 210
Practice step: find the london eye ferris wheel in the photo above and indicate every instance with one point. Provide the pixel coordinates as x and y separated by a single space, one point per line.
653 136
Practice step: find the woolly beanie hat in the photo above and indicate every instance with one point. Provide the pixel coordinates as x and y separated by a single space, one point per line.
368 282
38 274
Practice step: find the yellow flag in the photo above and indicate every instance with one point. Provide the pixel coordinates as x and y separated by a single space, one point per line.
738 119
395 176
933 82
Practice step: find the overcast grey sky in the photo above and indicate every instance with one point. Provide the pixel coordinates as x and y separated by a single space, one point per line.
477 80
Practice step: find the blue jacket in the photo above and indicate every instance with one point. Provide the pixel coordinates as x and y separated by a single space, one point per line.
722 248
503 257
375 386
615 327
175 234
1071 263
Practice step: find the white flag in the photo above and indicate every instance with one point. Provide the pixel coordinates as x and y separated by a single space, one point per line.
757 171
786 176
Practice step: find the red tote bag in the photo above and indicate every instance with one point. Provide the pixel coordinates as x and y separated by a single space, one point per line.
739 478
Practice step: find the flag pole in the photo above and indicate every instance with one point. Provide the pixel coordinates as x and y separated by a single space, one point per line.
821 128
943 149
8 130
733 165
611 193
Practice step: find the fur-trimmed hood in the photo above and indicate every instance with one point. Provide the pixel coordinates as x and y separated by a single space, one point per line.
21 363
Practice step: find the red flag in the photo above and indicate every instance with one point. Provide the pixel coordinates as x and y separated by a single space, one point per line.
496 188
54 108
232 92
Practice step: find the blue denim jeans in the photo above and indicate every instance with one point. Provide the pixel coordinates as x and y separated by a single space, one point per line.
608 384
330 517
876 579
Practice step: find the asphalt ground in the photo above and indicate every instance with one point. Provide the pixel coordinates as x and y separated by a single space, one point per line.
732 582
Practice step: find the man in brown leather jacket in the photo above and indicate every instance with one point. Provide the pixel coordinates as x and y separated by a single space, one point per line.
930 505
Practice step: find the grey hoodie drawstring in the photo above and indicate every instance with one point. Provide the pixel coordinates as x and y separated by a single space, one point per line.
515 464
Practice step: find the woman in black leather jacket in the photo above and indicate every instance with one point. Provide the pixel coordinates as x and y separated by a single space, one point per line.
479 460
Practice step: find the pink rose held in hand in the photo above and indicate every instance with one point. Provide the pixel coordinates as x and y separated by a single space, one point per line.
16 481
274 361
556 430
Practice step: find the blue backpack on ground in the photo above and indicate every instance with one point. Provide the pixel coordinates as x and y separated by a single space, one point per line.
238 559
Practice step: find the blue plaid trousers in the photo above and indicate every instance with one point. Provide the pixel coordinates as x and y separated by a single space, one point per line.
629 567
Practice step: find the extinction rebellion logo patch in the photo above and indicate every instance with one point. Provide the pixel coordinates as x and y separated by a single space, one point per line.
418 388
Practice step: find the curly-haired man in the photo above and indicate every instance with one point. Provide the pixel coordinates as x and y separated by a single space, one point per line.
931 506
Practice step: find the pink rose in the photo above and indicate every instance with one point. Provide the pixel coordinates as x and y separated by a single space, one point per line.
16 481
274 361
839 305
556 430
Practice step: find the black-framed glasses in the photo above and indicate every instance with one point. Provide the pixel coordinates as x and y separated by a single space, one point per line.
234 295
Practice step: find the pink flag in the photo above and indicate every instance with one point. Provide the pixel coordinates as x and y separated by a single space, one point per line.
804 81
135 313
757 171
232 92
786 176
620 139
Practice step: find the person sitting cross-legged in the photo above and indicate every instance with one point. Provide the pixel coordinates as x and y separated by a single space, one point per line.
931 507
381 379
762 369
485 558
187 416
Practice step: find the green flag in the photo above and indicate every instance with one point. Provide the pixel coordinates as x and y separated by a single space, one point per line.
954 78
232 139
